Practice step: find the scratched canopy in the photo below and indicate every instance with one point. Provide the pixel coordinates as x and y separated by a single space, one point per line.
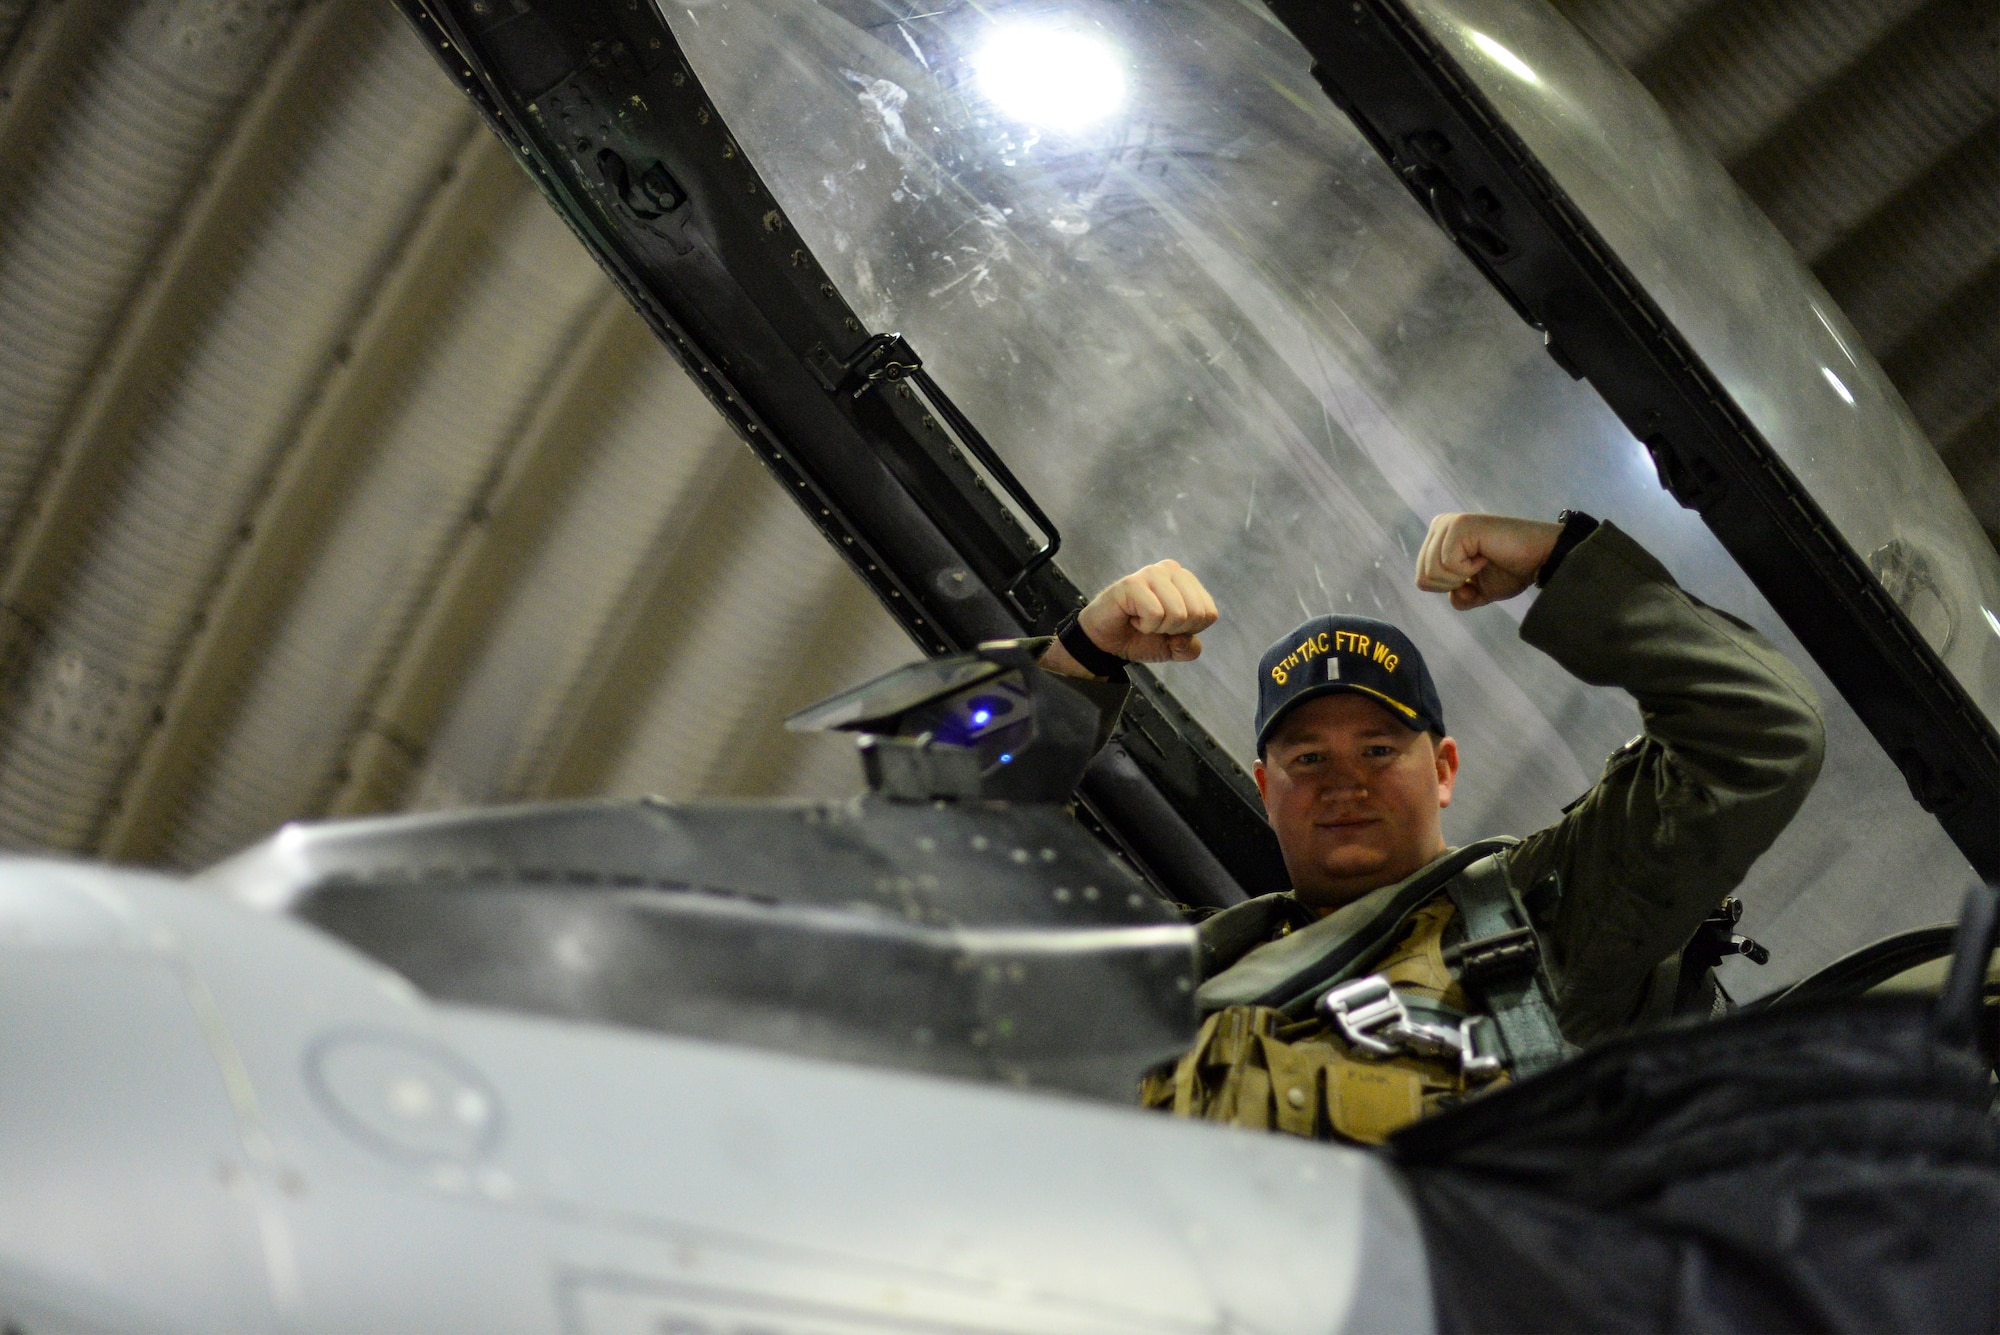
1769 333
1199 317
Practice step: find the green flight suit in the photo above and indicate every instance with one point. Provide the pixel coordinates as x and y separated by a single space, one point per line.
1732 742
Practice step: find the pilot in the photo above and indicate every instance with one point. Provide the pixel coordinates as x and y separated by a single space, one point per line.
1398 975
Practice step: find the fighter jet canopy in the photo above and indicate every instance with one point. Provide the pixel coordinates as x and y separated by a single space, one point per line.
1014 297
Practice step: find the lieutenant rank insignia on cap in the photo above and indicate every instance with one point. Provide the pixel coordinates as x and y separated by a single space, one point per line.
1334 654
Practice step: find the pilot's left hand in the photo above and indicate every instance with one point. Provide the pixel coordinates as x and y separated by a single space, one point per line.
1154 615
1481 559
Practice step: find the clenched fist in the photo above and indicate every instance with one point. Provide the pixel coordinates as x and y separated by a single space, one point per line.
1153 615
1481 559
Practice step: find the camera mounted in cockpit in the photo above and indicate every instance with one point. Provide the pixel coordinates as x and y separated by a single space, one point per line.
987 725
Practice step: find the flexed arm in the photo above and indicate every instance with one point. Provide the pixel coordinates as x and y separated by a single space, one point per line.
1732 740
1154 615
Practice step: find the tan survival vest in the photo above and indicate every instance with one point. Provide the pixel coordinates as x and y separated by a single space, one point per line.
1352 1056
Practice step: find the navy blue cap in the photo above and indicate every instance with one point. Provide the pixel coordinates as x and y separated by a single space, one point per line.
1329 655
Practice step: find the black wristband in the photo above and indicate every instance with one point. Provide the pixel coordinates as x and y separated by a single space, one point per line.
1098 662
1576 527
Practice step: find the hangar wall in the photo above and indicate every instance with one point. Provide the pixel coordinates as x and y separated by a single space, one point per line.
334 478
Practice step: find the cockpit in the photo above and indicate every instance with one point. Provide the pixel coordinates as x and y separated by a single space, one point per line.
1265 289
1011 298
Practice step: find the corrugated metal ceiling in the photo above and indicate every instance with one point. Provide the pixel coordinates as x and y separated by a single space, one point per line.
334 478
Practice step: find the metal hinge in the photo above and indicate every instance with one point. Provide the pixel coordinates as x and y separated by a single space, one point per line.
883 357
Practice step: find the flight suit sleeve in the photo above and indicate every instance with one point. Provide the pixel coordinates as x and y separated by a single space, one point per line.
1733 740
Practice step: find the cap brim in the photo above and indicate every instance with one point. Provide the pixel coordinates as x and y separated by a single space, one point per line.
1399 711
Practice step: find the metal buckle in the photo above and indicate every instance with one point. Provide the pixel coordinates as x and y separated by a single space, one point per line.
1473 1062
1371 1016
1362 1008
1491 956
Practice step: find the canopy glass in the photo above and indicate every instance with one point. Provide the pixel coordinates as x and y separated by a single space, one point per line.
1756 317
1199 317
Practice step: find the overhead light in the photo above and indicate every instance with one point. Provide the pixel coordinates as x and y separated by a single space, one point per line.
1055 78
1838 387
1505 59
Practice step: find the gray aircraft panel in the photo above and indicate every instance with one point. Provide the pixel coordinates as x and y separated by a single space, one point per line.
118 1145
220 1119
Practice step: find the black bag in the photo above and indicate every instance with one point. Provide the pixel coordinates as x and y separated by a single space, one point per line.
1830 1166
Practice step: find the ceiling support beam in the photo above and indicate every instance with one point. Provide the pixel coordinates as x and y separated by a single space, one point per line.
761 756
334 441
494 545
81 471
51 45
637 647
98 436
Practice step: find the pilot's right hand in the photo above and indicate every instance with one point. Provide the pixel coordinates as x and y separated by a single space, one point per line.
1154 615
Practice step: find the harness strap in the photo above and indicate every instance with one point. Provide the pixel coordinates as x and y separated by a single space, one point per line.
1298 994
1502 964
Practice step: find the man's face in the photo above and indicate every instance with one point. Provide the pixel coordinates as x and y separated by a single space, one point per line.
1354 796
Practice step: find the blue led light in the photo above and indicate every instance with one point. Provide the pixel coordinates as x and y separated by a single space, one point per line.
979 717
1006 759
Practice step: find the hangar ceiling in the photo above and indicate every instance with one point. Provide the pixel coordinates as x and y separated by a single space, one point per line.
334 478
